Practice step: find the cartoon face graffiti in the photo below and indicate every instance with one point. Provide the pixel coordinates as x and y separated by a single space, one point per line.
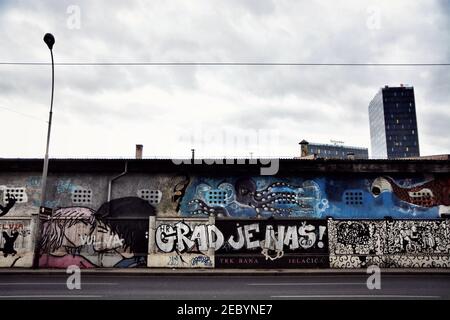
114 235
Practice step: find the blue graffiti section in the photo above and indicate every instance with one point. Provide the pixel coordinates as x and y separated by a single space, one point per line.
319 197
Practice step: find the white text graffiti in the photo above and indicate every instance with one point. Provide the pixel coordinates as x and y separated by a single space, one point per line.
182 237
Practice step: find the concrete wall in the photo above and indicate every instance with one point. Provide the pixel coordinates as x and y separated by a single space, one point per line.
87 230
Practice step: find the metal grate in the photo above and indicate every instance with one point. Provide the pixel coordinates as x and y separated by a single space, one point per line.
423 198
216 197
18 193
81 196
353 198
153 196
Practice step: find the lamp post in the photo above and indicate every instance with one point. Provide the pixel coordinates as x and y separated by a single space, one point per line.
50 41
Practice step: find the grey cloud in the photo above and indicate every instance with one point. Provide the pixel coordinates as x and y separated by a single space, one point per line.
242 31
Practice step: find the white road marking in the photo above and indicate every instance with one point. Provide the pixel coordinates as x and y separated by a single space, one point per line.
308 284
358 296
55 283
51 296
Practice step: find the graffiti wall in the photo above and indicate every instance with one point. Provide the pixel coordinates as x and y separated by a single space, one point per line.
16 248
392 220
114 235
299 243
317 197
273 243
241 243
389 244
184 244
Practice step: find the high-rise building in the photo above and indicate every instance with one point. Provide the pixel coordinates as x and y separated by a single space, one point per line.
393 124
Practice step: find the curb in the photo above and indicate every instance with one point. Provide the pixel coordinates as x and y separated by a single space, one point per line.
224 272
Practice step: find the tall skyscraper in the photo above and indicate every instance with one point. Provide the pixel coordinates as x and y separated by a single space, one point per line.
393 124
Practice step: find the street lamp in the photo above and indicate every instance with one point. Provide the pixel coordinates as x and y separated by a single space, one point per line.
49 39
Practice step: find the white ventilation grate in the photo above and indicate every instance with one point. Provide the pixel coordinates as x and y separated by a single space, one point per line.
81 196
18 193
152 196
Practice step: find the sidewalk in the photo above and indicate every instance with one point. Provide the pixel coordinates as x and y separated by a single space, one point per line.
222 272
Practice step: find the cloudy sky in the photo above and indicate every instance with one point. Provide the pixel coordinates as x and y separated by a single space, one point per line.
103 111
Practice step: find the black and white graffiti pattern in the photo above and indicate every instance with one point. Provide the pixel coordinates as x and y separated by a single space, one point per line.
356 237
389 244
426 237
354 261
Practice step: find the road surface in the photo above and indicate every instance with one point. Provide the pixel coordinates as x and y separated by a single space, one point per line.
210 287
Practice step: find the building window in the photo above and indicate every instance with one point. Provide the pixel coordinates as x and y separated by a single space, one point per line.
16 193
81 196
412 131
152 196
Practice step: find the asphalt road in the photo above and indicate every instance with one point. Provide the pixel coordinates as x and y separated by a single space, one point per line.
210 287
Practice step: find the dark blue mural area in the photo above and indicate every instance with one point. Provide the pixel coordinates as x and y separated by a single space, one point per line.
318 197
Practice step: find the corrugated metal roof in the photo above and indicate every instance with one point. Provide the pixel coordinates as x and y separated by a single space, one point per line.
286 165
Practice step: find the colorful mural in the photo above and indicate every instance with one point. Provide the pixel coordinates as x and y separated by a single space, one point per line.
336 220
116 235
340 198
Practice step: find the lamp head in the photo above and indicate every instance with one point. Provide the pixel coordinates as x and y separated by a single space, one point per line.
49 39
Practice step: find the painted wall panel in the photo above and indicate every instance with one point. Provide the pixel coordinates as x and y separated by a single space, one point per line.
187 243
273 243
114 235
389 244
318 197
16 249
